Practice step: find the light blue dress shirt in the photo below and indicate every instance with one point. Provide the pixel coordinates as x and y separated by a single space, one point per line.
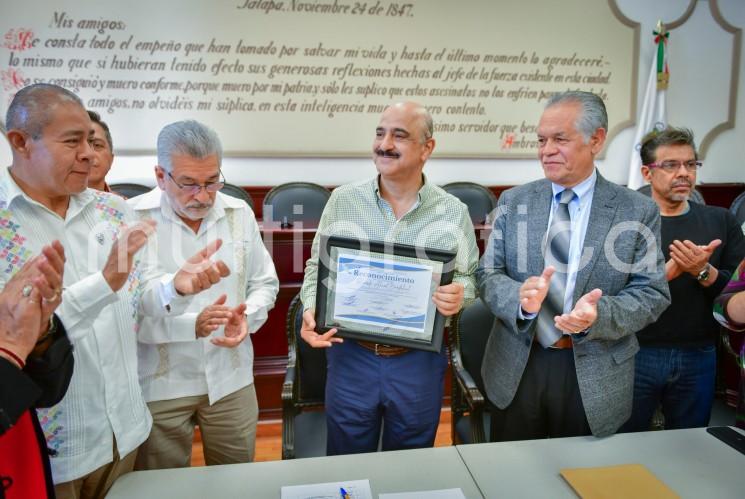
579 213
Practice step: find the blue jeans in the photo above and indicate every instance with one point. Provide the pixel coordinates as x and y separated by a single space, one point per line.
681 379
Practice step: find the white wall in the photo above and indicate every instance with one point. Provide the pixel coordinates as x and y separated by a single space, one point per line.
700 60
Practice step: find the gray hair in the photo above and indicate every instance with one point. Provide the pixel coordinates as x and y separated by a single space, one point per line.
29 110
187 137
429 126
593 115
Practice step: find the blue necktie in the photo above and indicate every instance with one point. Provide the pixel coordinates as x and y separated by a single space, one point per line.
557 254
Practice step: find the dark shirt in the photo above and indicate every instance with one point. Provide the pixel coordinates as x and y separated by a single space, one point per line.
688 321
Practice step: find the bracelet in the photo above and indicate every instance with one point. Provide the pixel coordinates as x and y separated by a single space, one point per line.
13 356
49 332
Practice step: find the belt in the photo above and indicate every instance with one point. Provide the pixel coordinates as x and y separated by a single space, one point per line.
561 344
382 350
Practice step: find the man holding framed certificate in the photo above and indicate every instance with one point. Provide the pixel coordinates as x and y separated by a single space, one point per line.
393 257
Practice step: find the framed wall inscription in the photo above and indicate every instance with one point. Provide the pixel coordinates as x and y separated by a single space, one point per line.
311 77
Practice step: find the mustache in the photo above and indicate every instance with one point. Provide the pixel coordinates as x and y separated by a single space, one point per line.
199 206
387 154
682 183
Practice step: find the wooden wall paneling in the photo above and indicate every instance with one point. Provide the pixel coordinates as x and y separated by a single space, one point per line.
269 374
271 340
720 194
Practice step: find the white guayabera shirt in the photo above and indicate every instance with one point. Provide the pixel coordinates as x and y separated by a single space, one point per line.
174 363
103 400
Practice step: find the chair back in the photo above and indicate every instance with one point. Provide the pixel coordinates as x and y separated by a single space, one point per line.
303 392
471 330
295 202
238 193
479 200
469 333
737 208
129 190
696 195
310 362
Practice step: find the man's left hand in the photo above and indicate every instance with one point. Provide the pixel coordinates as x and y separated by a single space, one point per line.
584 314
449 298
199 272
236 329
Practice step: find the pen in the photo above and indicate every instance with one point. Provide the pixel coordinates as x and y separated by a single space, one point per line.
343 493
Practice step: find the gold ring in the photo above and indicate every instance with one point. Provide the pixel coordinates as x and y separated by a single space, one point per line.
53 298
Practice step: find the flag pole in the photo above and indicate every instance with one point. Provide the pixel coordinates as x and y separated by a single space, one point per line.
653 114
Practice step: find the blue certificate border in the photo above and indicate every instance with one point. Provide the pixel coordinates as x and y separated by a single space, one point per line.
378 249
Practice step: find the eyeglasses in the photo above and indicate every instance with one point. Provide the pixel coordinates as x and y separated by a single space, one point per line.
672 165
194 189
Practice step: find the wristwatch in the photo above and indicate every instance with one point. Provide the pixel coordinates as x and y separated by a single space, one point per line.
704 274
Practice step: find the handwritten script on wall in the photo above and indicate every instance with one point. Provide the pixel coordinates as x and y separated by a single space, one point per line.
311 77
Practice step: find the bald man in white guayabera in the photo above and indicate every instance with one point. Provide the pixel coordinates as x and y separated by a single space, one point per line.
94 432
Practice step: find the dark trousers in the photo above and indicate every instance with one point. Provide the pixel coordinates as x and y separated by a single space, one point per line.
363 391
679 379
547 403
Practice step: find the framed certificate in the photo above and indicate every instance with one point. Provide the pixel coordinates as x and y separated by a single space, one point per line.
381 292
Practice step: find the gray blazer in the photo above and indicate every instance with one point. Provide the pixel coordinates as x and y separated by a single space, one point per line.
633 296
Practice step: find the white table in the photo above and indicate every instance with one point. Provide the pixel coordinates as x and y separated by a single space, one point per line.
691 462
398 471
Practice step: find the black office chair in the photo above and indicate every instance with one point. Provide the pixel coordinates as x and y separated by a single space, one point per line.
696 196
480 200
469 331
238 193
129 190
737 208
296 202
303 417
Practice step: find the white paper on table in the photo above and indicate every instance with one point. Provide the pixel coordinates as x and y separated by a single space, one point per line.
356 489
426 494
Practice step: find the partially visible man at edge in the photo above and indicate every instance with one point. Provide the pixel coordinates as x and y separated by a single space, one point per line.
676 365
103 153
36 365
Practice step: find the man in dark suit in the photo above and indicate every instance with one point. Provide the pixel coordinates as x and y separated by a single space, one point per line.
572 270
